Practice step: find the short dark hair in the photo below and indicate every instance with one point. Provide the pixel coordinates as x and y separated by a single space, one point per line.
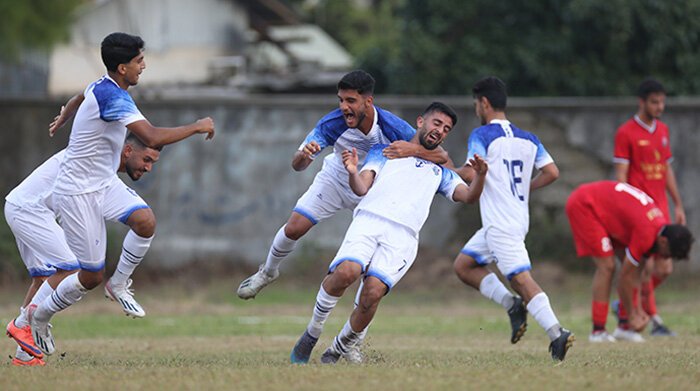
136 142
120 48
441 108
494 89
357 80
679 240
648 87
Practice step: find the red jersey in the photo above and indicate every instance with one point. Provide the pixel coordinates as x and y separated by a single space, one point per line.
647 151
626 214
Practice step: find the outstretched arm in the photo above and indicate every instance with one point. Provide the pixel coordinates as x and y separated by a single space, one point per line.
471 194
360 183
547 175
303 158
155 137
67 112
400 148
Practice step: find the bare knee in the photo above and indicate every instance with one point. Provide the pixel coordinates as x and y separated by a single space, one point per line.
468 271
525 285
143 222
90 280
371 295
342 277
297 226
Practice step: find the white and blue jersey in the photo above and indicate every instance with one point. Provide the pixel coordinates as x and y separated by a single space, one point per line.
97 138
404 188
511 154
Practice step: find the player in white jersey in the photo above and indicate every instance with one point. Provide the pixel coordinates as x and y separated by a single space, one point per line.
42 244
382 241
103 113
511 154
359 124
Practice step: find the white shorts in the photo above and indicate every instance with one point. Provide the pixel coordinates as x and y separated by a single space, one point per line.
506 250
83 216
384 249
325 197
40 239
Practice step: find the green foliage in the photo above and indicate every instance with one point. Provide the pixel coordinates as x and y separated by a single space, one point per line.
539 47
34 24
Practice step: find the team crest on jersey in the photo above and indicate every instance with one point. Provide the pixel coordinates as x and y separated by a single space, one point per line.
664 141
420 162
436 170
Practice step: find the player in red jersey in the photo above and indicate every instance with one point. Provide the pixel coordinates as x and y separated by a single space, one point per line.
643 159
608 214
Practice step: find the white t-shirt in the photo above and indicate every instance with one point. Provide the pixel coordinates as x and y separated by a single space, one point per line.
97 138
511 154
37 186
404 188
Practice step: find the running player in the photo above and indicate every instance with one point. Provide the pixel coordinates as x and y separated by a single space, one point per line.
511 154
359 124
382 240
104 113
607 214
43 247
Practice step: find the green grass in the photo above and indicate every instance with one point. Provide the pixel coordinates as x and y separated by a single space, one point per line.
420 340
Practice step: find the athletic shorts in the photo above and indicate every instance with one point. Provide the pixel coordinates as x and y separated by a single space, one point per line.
83 216
590 237
40 239
325 197
507 251
384 249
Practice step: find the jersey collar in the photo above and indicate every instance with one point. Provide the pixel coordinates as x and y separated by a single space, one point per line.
650 129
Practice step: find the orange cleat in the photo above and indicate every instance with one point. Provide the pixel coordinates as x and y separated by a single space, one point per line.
23 337
34 362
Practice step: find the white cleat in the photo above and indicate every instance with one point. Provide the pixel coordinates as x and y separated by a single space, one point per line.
354 355
41 333
627 335
601 337
124 295
252 285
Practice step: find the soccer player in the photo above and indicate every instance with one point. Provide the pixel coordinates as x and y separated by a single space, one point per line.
42 244
356 123
511 154
643 159
104 112
608 214
382 240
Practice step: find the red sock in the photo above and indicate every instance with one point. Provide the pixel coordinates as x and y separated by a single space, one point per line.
648 298
622 311
599 311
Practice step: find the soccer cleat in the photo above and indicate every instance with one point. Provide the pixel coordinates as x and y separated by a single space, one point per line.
561 345
330 356
23 337
354 355
660 330
601 337
124 295
302 349
252 285
41 332
627 335
518 319
33 362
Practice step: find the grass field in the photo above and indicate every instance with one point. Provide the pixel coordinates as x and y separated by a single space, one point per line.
441 339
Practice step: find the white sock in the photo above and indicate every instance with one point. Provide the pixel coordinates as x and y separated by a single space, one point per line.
324 305
541 310
346 339
281 247
41 294
22 355
21 320
68 292
134 249
493 289
657 320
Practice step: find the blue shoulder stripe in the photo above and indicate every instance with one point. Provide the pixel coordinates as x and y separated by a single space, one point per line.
393 127
114 102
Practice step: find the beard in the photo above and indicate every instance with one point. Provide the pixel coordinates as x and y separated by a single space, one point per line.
133 175
425 143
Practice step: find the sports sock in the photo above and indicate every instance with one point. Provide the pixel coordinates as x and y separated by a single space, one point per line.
324 305
648 298
281 247
134 249
41 294
493 289
599 312
67 293
346 339
656 319
22 355
21 320
541 310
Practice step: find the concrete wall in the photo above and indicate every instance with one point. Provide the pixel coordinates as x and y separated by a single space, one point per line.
227 197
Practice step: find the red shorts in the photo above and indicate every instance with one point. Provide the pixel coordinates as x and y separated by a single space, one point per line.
590 237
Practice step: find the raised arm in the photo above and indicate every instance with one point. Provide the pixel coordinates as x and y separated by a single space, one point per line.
303 158
547 175
67 112
155 137
360 183
470 194
672 187
400 148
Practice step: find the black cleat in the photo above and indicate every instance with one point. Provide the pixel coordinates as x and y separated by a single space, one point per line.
660 330
330 356
302 350
561 345
518 319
